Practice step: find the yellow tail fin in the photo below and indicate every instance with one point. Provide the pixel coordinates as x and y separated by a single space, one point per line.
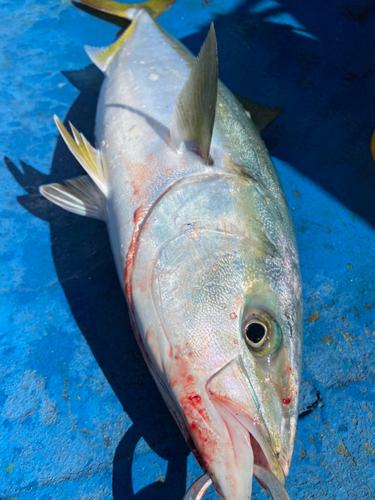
128 11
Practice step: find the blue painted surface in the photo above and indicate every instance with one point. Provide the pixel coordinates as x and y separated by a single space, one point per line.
80 415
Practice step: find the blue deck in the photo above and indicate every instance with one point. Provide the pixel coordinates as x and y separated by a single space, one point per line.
80 417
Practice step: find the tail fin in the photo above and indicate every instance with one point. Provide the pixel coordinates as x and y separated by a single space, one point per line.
128 11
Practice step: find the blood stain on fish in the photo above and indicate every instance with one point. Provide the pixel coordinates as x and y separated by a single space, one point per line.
192 405
132 252
149 333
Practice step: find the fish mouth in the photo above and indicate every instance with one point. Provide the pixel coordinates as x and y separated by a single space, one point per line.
231 393
253 431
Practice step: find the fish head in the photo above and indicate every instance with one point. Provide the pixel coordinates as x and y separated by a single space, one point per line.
256 392
236 367
229 307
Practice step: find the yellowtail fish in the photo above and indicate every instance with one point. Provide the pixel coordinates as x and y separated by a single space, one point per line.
203 244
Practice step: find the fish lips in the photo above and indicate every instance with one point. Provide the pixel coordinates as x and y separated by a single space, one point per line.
233 396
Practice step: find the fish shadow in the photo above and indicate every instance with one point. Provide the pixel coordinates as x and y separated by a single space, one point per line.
85 268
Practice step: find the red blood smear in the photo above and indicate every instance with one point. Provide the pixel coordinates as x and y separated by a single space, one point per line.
191 403
195 399
287 401
149 333
133 248
195 413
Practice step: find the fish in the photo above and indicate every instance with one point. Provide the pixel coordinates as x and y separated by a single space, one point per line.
203 244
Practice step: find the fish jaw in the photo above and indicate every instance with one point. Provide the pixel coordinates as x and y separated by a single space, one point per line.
222 445
227 428
238 476
231 392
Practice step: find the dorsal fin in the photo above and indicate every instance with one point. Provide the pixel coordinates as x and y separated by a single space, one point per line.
194 114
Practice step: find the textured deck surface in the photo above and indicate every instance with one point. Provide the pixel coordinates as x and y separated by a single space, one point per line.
80 417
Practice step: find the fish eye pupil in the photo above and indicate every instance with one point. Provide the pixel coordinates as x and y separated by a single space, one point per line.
255 332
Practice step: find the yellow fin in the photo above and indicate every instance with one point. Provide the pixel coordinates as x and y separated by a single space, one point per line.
103 56
84 153
128 11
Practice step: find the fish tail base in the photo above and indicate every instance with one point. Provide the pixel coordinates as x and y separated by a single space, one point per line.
128 11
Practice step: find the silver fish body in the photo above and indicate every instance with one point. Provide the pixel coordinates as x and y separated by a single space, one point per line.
207 258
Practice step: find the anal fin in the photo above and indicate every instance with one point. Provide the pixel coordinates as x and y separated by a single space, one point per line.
102 57
79 196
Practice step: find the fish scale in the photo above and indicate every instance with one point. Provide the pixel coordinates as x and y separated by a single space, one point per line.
203 244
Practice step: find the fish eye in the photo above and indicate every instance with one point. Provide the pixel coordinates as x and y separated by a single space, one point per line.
255 334
261 333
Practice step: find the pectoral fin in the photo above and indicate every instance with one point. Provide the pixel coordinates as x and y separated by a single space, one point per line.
80 196
194 115
262 116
